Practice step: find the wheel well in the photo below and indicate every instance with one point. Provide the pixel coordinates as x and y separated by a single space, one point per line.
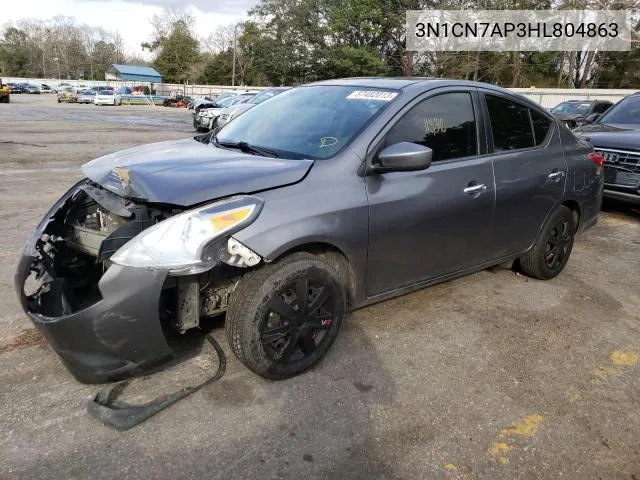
575 210
335 257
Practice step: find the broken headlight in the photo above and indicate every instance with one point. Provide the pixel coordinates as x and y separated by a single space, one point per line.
179 243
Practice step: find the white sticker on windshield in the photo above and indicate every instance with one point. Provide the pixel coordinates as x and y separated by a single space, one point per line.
372 95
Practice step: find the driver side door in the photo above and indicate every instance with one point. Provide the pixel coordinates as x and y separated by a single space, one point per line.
430 223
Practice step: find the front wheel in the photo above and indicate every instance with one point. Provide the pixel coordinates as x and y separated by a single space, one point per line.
284 317
551 251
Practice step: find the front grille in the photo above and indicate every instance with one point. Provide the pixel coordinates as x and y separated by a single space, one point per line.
622 167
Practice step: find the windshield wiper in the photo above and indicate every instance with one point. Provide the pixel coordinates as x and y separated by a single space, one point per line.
246 148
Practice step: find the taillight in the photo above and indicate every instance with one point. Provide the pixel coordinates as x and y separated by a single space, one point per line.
596 158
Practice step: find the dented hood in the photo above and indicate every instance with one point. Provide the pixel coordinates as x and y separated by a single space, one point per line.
187 172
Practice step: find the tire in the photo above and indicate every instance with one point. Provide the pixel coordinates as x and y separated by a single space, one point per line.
297 341
551 251
59 101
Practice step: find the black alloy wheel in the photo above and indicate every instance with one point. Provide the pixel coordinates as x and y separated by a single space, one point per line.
284 316
558 242
298 320
550 252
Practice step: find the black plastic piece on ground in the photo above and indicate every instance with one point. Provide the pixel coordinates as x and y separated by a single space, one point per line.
123 416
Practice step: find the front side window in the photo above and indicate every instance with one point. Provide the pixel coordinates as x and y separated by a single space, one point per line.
308 122
510 124
445 123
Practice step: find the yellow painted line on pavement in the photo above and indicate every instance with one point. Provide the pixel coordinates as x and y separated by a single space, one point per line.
523 428
624 358
453 472
499 451
526 427
620 359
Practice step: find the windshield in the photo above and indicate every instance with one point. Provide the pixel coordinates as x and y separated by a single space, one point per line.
307 122
575 108
626 111
106 92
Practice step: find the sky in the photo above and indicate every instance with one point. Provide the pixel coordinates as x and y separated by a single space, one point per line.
131 18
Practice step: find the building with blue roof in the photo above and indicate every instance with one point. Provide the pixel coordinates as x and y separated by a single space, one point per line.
132 73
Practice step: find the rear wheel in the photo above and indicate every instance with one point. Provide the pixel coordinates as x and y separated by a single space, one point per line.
284 317
552 249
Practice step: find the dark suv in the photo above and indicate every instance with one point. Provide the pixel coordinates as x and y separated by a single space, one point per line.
575 113
616 136
325 198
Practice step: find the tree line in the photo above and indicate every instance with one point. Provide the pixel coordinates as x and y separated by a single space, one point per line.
58 48
288 42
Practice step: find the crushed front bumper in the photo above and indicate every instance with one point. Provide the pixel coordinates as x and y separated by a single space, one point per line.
118 336
115 332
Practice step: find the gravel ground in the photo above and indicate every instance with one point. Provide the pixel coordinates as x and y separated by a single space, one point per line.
492 376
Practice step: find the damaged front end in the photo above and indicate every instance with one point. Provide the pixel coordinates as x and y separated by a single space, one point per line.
108 320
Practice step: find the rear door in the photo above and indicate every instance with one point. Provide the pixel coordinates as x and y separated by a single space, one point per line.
529 166
426 224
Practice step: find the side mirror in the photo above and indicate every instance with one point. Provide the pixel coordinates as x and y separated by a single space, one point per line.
592 118
403 157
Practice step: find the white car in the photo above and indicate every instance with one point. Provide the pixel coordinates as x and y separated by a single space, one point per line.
205 118
107 97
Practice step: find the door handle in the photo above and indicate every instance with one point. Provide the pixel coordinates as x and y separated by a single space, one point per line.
555 176
475 189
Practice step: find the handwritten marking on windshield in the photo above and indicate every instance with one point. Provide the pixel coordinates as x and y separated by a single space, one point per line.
328 141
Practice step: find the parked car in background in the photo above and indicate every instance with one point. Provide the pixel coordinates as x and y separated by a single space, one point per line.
32 89
216 102
86 96
229 113
44 88
196 101
329 197
205 117
67 94
575 113
107 97
616 136
80 88
16 87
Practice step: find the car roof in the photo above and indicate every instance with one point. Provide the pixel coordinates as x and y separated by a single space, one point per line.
418 85
379 82
407 83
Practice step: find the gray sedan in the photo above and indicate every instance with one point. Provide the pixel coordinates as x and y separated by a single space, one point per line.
326 198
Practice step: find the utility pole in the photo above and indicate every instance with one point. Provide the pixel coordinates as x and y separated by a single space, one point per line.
233 69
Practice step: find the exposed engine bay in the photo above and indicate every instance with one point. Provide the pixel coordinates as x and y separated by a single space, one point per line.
74 252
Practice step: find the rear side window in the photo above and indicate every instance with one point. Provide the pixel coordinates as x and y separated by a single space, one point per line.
510 124
445 123
541 126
